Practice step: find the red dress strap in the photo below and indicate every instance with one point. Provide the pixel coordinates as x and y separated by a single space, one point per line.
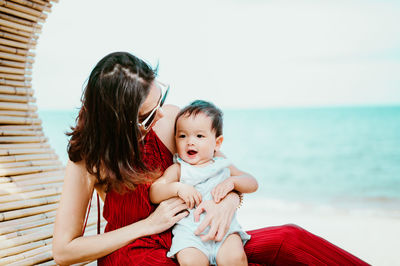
98 214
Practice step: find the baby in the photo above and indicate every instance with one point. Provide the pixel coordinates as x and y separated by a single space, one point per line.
198 176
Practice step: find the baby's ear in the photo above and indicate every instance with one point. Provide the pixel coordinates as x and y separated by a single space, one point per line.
218 142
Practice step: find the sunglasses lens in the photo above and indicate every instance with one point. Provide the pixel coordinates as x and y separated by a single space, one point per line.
150 120
164 97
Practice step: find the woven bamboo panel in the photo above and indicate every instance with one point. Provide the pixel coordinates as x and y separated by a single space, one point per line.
31 175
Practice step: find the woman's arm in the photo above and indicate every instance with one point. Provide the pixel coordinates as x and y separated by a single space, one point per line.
69 246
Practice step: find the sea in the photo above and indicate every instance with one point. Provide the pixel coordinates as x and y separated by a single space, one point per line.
347 157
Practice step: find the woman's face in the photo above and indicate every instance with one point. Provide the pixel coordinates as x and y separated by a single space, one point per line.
152 100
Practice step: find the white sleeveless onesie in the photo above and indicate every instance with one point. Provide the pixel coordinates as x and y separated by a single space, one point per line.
204 179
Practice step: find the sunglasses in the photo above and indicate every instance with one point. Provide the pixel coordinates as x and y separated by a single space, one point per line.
148 121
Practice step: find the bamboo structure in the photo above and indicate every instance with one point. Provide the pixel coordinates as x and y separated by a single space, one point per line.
31 175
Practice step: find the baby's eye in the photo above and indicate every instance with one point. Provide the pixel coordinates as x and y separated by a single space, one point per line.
181 136
200 136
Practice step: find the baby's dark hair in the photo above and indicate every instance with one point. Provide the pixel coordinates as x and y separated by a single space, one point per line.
207 108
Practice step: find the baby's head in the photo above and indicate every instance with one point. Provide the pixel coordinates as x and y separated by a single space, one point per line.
198 132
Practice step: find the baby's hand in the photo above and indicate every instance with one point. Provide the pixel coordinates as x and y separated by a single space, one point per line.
222 189
189 194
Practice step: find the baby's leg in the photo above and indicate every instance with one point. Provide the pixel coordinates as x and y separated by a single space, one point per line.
191 256
231 251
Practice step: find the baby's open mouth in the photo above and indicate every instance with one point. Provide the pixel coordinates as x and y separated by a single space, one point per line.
191 152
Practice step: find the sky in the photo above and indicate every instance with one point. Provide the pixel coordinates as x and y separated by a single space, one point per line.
238 54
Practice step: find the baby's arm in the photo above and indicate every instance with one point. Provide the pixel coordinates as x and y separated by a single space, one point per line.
239 181
168 186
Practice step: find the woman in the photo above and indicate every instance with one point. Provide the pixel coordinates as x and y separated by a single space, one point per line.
122 141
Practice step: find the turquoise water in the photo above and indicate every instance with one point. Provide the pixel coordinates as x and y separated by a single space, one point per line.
341 155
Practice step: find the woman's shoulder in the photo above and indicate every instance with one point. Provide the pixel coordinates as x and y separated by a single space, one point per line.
164 128
78 174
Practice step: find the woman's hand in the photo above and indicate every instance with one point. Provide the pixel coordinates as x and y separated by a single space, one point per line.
218 217
167 213
189 194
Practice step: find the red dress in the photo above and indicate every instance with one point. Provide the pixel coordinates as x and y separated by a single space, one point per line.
279 245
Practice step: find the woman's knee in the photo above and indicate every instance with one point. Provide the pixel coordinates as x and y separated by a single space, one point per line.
291 231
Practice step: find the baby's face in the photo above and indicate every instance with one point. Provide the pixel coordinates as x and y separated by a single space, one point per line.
195 140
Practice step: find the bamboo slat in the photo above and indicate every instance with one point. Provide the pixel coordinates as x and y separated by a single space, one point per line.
39 235
26 256
14 64
17 106
34 260
28 203
24 146
15 77
27 10
20 158
16 44
12 77
9 82
12 34
15 90
28 177
45 3
20 127
27 212
25 232
19 114
19 139
11 188
20 14
21 21
16 98
18 24
31 195
25 247
20 227
32 218
16 55
14 70
24 151
21 132
44 180
30 4
27 170
29 163
17 35
49 263
15 120
19 32
28 55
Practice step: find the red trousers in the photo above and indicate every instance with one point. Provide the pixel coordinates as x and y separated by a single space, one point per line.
278 245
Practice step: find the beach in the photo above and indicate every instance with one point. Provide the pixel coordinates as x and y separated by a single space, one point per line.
370 235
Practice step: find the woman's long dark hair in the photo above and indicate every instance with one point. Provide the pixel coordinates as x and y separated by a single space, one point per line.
106 135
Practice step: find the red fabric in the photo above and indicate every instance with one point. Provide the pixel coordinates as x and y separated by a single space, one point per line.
280 245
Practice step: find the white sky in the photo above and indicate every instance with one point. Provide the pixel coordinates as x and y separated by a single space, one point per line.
248 53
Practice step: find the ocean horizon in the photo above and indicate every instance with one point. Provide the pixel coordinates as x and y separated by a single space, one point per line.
346 157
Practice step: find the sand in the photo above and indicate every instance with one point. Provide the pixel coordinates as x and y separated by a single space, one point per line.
373 236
